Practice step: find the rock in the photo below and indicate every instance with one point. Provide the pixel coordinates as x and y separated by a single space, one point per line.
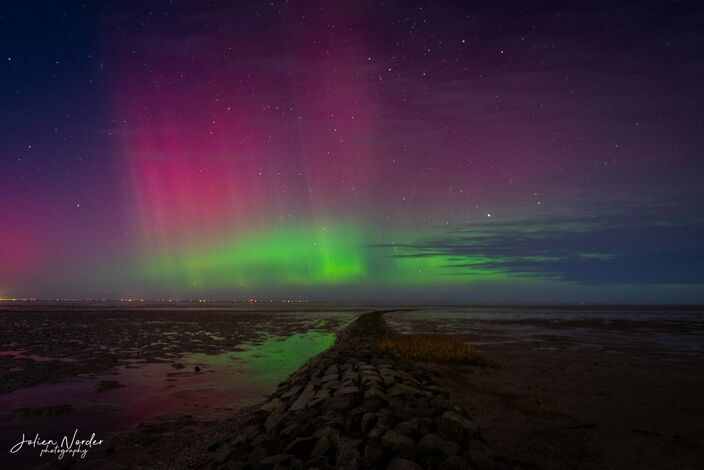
223 453
296 464
273 405
433 445
348 456
304 398
256 455
340 403
470 428
395 441
350 376
407 413
376 434
269 462
348 390
353 419
388 380
290 431
415 428
273 421
293 391
386 418
373 404
235 465
316 401
371 393
301 446
323 447
456 463
317 462
374 454
330 386
353 408
261 440
316 381
404 391
329 378
403 464
331 419
368 422
247 434
327 432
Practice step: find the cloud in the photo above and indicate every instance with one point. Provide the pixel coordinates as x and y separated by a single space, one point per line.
632 249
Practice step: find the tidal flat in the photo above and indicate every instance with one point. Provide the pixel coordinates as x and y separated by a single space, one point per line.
597 387
109 367
579 387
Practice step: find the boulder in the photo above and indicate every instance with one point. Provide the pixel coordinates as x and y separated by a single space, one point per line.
323 447
301 447
456 463
404 392
368 422
347 390
395 442
304 398
293 391
374 454
403 464
468 425
348 454
434 445
275 404
269 462
273 421
376 434
415 428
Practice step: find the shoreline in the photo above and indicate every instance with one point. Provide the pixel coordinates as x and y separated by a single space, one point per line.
583 394
351 406
547 405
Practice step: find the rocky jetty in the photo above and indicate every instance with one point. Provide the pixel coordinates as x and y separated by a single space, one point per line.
354 407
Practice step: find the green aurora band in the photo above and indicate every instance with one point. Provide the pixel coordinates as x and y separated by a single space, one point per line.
303 256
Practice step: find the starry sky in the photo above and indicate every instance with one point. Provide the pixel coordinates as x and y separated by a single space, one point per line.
437 151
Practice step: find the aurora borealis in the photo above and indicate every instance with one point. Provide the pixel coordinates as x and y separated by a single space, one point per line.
420 151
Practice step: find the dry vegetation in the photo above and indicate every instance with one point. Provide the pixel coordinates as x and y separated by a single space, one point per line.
431 348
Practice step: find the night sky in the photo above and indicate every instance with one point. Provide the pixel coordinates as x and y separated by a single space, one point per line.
424 151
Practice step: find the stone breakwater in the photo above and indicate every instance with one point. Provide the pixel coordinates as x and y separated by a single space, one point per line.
354 407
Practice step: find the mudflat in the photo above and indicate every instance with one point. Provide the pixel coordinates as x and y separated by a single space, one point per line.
582 392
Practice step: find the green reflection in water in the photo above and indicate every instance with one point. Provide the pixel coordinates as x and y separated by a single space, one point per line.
268 363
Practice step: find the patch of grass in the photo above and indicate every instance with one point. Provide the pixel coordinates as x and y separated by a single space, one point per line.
431 348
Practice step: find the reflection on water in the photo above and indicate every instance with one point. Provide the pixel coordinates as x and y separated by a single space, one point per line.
267 363
662 331
34 357
202 385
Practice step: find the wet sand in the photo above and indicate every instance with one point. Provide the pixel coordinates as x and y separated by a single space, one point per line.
579 389
113 368
583 393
